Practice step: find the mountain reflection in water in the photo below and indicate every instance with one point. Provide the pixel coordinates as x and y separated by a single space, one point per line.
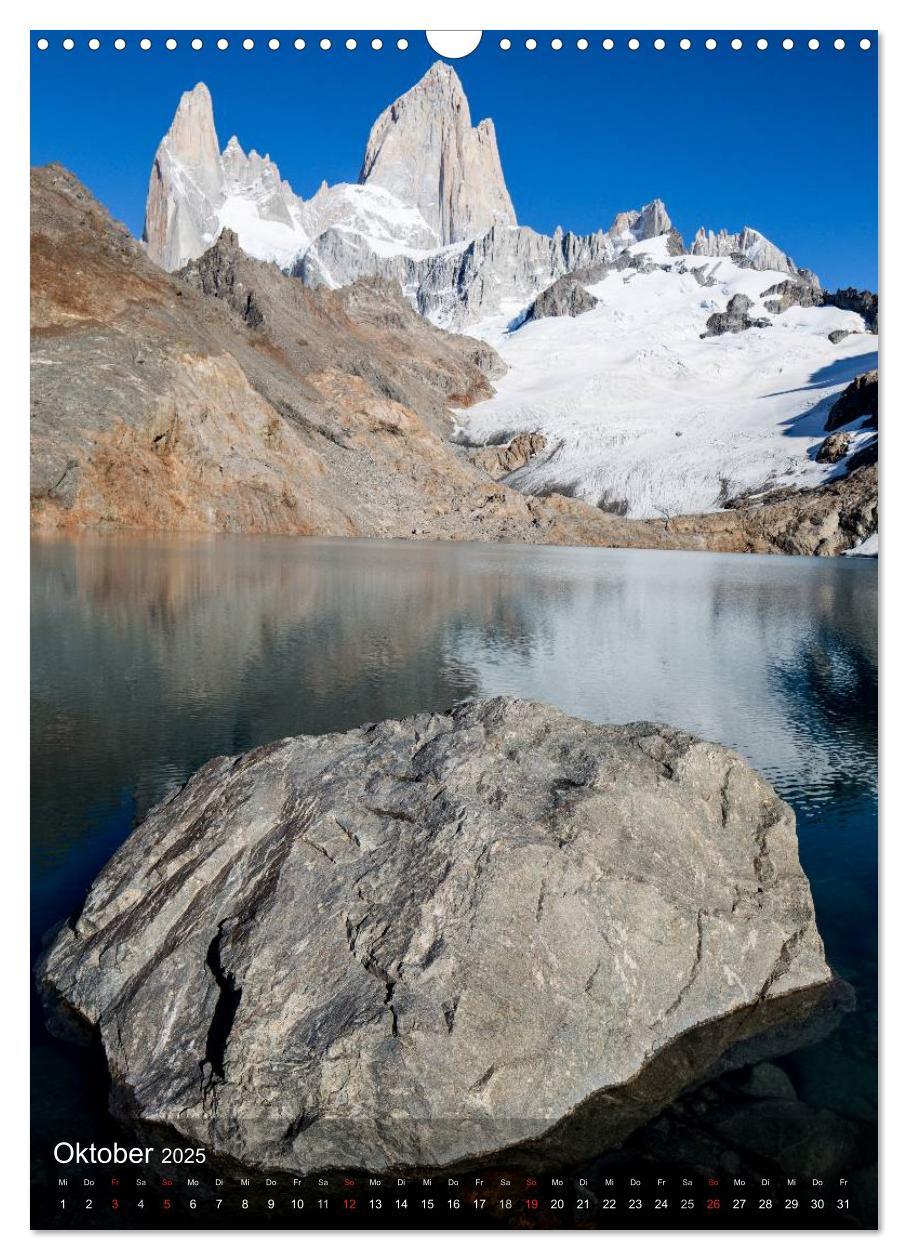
150 656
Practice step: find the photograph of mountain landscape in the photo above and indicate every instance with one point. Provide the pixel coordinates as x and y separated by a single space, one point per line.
454 624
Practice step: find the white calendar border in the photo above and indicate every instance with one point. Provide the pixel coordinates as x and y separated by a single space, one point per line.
229 15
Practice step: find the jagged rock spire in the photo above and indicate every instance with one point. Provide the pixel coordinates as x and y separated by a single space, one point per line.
193 186
186 184
748 247
425 150
641 225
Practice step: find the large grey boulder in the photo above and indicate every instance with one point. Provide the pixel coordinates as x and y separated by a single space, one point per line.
429 940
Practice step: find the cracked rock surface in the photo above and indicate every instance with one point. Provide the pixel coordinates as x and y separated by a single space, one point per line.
437 938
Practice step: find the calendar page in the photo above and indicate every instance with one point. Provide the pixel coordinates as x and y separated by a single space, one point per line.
454 607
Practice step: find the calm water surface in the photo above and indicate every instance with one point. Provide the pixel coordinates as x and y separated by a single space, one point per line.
150 657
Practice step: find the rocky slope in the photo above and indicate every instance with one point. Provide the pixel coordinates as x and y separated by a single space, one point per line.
230 397
826 521
364 331
266 981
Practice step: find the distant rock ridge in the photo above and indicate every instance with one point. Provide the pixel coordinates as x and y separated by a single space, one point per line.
748 248
457 286
632 226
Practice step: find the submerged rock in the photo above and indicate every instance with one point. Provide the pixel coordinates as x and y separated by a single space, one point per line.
767 1080
431 940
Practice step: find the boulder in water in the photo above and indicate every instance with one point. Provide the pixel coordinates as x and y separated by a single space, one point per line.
433 940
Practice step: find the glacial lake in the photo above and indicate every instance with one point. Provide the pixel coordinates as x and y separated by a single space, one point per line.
151 656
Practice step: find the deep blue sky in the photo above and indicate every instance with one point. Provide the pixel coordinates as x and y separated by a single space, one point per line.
783 141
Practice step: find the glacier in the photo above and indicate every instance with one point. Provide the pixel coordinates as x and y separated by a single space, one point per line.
645 417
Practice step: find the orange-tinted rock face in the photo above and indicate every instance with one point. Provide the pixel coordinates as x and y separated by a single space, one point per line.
229 398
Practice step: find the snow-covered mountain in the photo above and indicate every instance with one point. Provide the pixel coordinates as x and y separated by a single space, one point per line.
645 415
429 178
195 191
644 410
431 210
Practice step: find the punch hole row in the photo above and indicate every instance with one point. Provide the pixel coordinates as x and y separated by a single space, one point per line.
685 44
222 44
376 43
